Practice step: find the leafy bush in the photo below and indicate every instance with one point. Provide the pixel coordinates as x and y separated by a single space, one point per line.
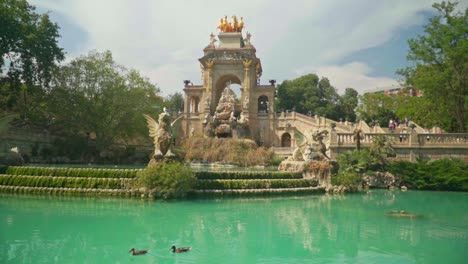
352 164
443 174
347 178
167 180
276 160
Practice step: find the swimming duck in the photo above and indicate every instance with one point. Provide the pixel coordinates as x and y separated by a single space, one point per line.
180 250
138 252
401 213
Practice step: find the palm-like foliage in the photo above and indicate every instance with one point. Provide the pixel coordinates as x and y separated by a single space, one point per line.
358 135
353 164
381 147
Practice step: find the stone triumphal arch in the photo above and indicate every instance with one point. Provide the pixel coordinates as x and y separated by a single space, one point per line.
212 109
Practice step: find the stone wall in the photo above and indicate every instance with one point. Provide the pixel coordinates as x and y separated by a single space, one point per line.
33 143
410 146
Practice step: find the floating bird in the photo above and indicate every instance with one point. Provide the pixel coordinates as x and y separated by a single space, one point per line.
138 252
402 213
180 250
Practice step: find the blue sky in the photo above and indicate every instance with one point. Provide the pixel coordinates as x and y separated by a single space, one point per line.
355 43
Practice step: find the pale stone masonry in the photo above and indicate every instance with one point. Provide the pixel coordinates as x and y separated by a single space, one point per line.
231 59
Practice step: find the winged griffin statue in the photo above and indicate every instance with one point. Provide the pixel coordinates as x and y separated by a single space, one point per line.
164 133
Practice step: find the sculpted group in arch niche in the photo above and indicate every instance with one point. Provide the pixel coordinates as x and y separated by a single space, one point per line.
226 121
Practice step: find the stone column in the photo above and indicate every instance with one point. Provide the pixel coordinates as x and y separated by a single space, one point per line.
209 84
413 145
186 106
246 92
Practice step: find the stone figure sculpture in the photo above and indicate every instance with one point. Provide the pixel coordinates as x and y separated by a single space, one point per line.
163 133
311 146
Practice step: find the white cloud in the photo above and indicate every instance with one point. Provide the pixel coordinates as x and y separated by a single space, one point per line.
163 39
354 75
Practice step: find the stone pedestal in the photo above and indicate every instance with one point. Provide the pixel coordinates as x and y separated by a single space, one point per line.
230 40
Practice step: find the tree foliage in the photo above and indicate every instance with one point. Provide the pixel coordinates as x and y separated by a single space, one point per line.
94 95
352 164
444 174
349 102
28 53
378 108
440 70
175 102
307 94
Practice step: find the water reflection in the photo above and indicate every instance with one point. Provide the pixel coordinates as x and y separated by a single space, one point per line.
296 229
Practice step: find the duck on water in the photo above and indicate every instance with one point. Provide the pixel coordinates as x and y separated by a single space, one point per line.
138 252
180 250
402 213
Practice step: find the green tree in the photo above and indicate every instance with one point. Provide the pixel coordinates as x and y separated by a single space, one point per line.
175 102
349 102
440 70
309 93
5 123
28 54
419 110
378 108
92 94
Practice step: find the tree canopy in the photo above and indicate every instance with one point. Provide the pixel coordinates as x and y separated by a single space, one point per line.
175 102
94 95
440 70
311 94
29 52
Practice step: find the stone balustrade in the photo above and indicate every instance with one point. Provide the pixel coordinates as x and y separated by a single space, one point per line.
402 139
409 146
406 139
448 139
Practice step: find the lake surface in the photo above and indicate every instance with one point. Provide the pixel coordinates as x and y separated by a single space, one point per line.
304 229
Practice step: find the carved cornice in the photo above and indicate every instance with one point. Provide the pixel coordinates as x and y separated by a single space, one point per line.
227 56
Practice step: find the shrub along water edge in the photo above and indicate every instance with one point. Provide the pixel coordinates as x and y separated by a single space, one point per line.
437 175
167 180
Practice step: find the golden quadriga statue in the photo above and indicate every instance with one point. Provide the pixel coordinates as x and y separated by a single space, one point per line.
234 26
164 133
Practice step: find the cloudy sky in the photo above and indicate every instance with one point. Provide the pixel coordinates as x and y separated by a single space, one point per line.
355 43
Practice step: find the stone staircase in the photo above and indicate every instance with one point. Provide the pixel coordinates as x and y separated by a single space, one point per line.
119 183
64 181
255 183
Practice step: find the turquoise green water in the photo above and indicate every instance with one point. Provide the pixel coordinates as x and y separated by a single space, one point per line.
307 229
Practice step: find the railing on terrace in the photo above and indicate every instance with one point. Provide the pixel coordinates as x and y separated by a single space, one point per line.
443 139
405 139
348 138
314 120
